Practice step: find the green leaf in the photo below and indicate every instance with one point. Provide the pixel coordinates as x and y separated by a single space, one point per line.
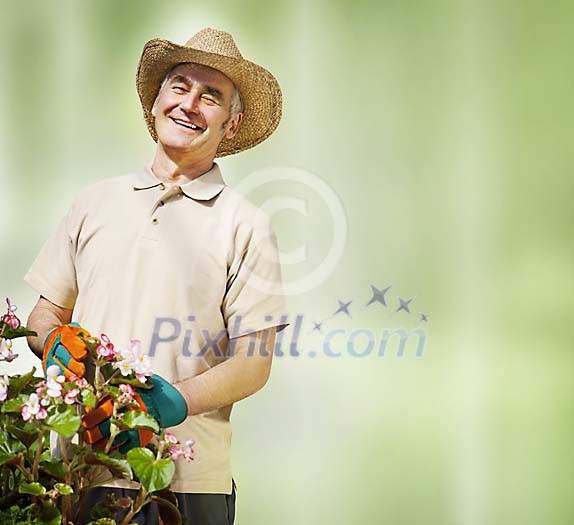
168 511
34 488
13 405
18 383
13 333
154 474
56 469
64 420
64 489
114 391
9 444
49 514
137 419
88 398
100 511
118 467
9 458
26 433
134 381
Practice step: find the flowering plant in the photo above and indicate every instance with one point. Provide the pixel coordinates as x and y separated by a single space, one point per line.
38 488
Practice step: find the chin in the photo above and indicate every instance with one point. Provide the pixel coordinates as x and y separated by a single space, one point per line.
171 142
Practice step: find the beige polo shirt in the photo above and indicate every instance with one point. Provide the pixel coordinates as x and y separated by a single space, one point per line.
182 268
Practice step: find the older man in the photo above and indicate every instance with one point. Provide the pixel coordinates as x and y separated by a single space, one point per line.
172 256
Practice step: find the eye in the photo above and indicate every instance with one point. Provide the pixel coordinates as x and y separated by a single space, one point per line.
209 99
179 89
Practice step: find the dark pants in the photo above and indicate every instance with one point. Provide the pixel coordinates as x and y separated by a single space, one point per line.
197 509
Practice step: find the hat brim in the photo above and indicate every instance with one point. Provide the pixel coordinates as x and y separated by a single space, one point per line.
259 90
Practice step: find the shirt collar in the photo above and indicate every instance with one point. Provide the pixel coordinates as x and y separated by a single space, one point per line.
203 188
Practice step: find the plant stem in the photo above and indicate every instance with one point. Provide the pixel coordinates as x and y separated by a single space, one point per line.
114 430
97 380
115 373
141 500
26 472
6 484
36 464
66 500
82 502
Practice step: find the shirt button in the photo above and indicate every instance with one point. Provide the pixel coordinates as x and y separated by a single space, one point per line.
154 221
161 203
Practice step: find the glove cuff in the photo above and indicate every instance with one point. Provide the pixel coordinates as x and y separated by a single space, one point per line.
164 402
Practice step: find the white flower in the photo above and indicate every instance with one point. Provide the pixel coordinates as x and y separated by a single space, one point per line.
6 350
54 380
133 360
4 383
124 366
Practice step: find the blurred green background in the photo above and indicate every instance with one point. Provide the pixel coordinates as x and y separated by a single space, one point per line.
444 128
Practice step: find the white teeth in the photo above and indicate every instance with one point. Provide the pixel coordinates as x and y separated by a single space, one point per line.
186 124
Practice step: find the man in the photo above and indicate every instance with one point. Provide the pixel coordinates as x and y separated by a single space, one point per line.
174 257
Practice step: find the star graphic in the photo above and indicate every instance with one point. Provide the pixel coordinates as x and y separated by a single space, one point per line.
317 327
343 307
379 295
424 317
404 305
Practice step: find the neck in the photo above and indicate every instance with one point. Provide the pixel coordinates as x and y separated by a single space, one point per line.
173 169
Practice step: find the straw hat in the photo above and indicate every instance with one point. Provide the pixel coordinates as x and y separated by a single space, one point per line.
259 90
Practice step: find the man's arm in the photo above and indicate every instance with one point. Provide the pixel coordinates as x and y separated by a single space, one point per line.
238 377
43 318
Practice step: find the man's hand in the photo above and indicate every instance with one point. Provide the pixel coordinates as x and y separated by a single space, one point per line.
245 372
66 348
163 402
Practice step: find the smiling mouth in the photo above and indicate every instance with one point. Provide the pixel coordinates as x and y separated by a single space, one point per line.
186 124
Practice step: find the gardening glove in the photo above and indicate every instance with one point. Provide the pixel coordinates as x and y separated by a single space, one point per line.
65 348
163 402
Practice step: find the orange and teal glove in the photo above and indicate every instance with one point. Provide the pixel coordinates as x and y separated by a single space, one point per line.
64 347
163 402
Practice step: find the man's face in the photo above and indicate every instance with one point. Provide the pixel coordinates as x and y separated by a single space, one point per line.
192 110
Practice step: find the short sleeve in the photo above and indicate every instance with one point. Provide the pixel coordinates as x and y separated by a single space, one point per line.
254 298
53 273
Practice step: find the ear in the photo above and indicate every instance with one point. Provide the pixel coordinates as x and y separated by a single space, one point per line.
154 107
233 126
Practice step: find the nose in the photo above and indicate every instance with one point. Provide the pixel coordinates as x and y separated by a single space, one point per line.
190 102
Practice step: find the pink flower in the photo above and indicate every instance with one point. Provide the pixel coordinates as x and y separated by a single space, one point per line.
6 353
188 450
41 390
81 382
106 349
170 438
127 394
70 396
10 318
128 390
176 451
4 384
32 409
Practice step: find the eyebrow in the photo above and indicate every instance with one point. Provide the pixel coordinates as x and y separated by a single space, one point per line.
208 89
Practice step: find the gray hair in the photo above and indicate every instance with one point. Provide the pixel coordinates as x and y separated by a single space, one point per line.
236 102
